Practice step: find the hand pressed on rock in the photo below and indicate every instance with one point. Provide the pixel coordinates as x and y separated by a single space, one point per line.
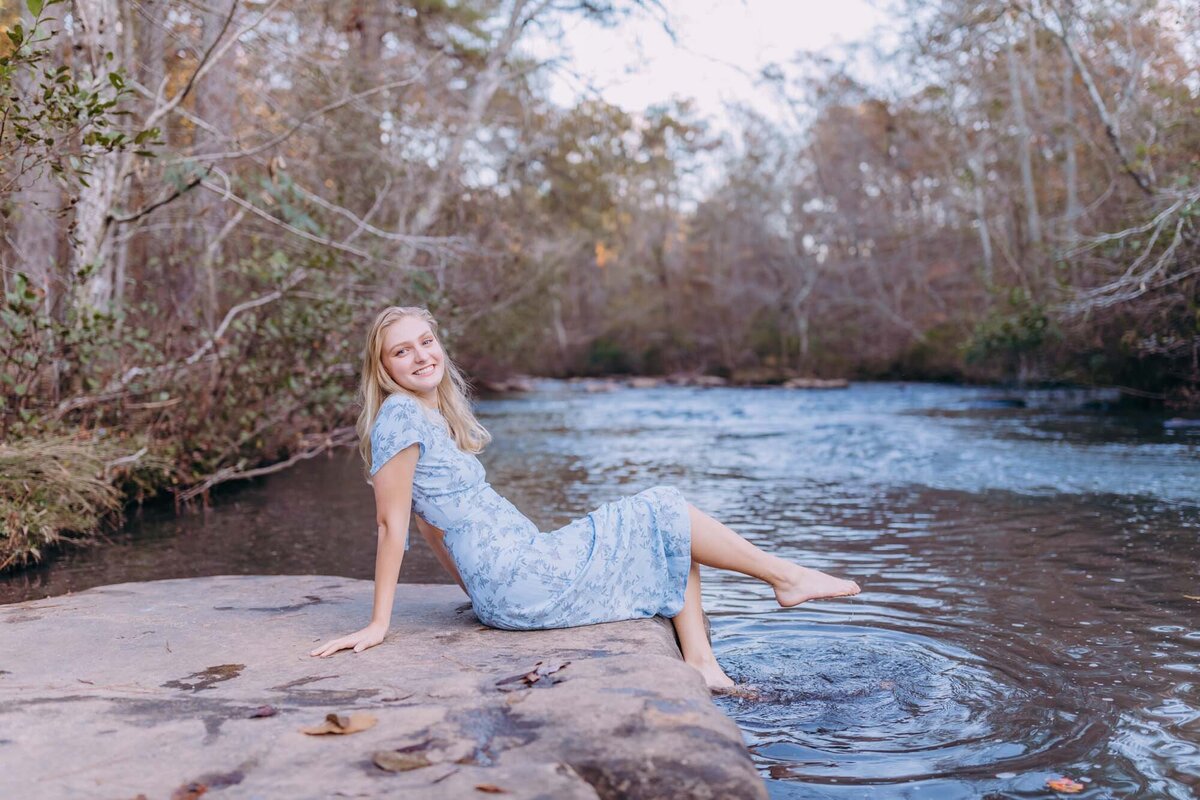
359 640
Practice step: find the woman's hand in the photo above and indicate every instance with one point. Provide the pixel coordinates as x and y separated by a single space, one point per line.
360 640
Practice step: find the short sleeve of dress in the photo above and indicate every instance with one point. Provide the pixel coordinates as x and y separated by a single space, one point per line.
398 425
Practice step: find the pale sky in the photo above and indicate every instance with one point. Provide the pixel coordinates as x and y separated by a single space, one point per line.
721 45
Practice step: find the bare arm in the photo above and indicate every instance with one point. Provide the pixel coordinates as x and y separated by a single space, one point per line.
434 537
393 504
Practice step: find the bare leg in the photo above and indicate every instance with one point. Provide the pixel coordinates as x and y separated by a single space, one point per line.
715 545
689 625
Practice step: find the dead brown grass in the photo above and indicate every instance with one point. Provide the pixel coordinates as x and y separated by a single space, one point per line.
55 490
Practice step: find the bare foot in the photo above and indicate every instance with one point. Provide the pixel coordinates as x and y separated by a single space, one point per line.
803 584
714 676
745 691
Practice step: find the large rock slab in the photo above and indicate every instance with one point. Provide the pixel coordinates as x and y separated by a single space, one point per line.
142 689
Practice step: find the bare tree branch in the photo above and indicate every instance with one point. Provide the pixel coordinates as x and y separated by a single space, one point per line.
300 123
1062 33
214 53
228 194
119 387
338 437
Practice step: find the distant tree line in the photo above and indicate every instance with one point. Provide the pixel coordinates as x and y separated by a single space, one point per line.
1018 201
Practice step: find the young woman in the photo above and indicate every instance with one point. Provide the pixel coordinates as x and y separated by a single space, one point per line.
634 557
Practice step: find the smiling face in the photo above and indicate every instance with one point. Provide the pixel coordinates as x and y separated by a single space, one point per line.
412 356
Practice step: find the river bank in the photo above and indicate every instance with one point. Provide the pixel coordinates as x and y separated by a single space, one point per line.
65 491
68 491
59 489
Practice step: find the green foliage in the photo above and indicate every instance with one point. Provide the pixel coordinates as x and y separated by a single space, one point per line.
280 374
1011 333
936 357
289 203
607 357
276 375
53 117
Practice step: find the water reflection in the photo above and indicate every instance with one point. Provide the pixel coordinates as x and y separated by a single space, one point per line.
1030 607
319 520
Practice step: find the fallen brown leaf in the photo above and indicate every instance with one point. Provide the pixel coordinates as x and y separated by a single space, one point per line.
541 672
399 761
1065 785
189 791
490 788
358 721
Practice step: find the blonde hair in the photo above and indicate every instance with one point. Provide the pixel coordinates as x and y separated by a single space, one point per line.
376 385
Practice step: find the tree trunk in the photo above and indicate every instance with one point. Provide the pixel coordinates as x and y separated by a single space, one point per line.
98 34
486 85
37 203
1071 167
216 103
1033 221
977 168
1111 124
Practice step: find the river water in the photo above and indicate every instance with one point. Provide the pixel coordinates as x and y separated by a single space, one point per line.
1030 570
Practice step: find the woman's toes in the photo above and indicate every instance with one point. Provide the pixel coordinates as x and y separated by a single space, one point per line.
719 683
744 691
810 584
714 676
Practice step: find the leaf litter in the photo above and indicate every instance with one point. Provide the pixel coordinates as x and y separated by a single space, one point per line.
1065 785
543 675
335 724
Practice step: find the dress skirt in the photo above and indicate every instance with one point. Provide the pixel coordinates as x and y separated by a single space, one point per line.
628 559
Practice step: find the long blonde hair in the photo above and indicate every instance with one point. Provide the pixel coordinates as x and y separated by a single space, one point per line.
376 384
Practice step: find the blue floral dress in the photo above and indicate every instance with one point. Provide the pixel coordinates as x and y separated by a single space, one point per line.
626 560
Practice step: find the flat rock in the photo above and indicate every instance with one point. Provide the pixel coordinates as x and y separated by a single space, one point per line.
151 689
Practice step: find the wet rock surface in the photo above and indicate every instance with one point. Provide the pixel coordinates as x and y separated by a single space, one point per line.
203 685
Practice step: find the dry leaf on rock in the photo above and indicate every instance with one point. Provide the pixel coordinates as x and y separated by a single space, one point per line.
542 675
358 721
490 788
399 760
189 791
1065 785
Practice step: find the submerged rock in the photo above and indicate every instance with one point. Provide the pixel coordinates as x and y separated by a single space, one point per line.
513 383
816 383
204 684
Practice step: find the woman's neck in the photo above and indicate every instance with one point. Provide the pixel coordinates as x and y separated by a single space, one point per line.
429 399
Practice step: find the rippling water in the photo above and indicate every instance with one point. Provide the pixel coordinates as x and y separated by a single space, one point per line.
1031 575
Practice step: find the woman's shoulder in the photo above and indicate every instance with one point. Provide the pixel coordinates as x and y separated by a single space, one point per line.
398 424
398 407
399 400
